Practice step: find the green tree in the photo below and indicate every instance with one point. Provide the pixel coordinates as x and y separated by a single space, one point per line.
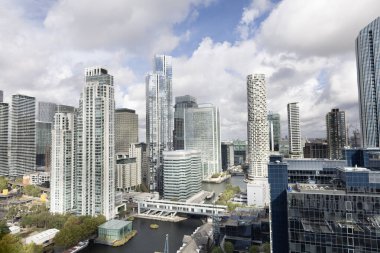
3 183
10 243
217 250
32 248
228 247
32 190
3 228
254 249
266 247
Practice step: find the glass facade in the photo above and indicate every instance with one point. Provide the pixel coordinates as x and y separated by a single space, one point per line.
4 130
340 217
114 230
278 181
43 143
202 133
274 131
126 129
159 117
367 55
23 135
181 103
363 157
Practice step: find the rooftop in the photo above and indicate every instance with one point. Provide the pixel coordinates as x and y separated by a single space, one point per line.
115 224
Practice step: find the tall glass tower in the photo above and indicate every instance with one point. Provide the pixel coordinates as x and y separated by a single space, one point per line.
274 131
368 68
181 103
159 117
95 165
23 135
202 133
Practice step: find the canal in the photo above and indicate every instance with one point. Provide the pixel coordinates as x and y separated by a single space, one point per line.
148 240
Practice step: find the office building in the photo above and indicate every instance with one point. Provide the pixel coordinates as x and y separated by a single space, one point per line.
367 51
227 155
182 174
202 133
36 178
274 131
63 154
363 157
338 217
159 117
139 151
315 148
46 111
278 181
336 133
294 131
23 135
245 227
240 151
181 103
126 129
43 144
95 189
258 141
128 174
4 131
64 108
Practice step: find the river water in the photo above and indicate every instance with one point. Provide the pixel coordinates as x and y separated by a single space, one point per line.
148 240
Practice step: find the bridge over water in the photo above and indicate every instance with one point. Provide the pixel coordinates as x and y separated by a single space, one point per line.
167 206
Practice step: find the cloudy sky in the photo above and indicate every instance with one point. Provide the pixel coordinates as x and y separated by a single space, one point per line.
305 49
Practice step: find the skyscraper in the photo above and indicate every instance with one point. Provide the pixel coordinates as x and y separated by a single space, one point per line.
295 149
159 117
257 126
4 130
23 135
96 145
202 133
274 131
1 96
336 133
181 103
126 129
43 143
258 141
367 53
46 111
62 183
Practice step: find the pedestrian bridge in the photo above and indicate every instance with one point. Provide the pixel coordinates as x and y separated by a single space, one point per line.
179 207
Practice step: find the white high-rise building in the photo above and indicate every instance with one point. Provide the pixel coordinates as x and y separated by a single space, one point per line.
95 177
202 133
62 184
4 139
23 135
159 117
258 141
182 174
257 127
295 147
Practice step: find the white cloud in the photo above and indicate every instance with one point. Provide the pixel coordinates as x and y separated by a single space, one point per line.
320 27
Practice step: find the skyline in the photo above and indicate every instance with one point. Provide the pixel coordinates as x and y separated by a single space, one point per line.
45 58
